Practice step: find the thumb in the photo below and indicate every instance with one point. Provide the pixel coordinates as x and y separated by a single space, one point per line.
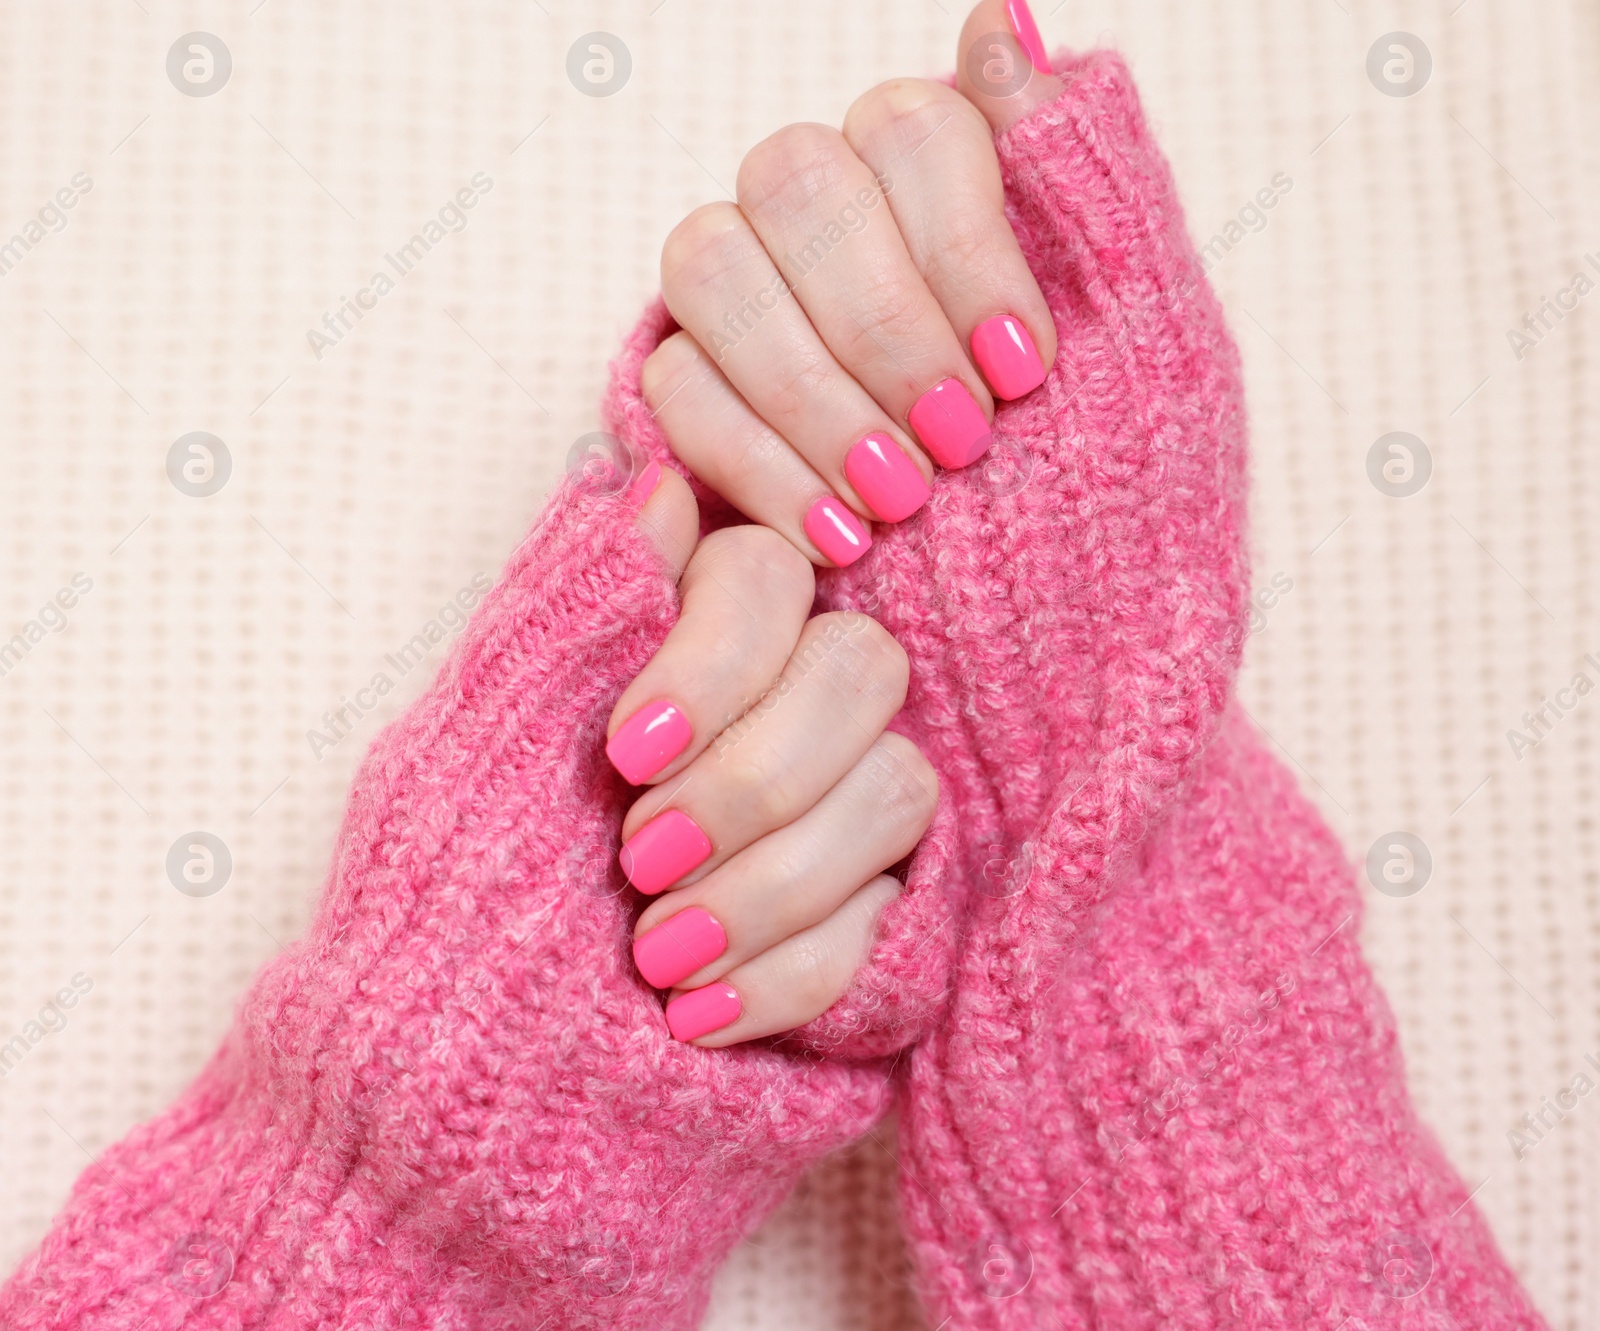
668 515
1001 66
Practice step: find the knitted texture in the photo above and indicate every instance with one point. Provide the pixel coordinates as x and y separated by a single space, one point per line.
1151 1081
454 1103
1147 1078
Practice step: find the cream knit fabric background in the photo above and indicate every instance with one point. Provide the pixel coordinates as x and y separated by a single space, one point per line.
366 488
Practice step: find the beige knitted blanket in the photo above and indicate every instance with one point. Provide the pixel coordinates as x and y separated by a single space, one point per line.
186 239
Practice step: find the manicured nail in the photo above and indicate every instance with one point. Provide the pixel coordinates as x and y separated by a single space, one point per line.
676 949
663 850
1021 20
950 424
836 531
701 1011
886 478
1006 355
645 485
649 739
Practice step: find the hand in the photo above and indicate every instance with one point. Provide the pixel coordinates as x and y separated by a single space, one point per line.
827 323
779 799
862 305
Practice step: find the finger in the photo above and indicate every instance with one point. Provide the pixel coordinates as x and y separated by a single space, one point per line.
794 878
787 985
820 213
1002 66
732 450
723 289
950 205
668 514
843 684
746 593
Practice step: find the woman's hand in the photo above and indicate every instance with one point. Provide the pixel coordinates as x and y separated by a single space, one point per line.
778 797
850 321
865 297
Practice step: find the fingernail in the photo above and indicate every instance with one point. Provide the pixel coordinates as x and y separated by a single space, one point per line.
645 485
679 947
648 740
836 531
663 850
1021 20
701 1011
950 424
886 478
1006 355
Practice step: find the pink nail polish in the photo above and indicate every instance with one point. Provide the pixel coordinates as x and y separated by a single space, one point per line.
648 740
645 485
701 1011
836 531
886 478
677 948
950 424
663 850
1005 353
1021 20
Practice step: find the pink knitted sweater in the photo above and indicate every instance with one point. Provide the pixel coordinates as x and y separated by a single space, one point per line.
1146 1079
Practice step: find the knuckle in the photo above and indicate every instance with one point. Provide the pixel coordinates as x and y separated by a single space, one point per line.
797 383
746 463
788 872
908 786
817 978
892 302
896 116
889 312
855 656
763 783
666 366
767 562
797 164
873 661
966 251
777 555
703 246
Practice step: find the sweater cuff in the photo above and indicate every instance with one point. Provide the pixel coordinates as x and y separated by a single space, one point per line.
1095 207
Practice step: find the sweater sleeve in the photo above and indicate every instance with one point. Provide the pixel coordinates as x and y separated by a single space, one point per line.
1149 1080
454 1104
1165 1089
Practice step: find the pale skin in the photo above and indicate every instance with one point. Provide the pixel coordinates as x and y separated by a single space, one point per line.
803 793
